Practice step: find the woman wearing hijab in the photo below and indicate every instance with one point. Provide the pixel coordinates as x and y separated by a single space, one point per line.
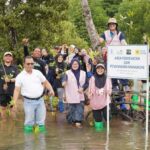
75 82
100 89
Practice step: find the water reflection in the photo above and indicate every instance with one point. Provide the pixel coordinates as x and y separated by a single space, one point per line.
61 136
34 141
146 143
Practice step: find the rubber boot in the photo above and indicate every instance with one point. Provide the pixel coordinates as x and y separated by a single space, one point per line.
36 129
99 126
42 128
28 128
135 100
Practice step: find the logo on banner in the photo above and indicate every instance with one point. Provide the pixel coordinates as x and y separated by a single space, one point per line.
128 51
137 52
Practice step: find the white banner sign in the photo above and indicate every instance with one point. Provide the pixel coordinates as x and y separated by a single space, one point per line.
128 62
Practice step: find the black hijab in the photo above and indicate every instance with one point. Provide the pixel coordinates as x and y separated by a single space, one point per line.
100 80
60 65
76 72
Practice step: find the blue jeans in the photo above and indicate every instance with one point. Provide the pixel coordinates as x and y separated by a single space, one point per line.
35 112
60 93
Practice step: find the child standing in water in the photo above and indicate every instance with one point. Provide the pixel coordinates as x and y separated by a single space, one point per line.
100 89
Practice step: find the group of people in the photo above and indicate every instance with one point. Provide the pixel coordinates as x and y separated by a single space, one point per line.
66 75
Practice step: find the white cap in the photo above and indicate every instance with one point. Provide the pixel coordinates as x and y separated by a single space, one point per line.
100 65
73 46
8 53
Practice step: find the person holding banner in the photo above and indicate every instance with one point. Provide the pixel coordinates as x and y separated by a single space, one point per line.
100 89
113 36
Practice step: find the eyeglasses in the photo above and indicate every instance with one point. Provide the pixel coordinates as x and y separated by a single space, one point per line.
30 64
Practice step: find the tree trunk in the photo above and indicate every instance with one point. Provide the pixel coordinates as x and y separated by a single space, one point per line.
13 37
94 37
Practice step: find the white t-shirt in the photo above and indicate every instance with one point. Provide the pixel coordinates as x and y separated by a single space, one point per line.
30 84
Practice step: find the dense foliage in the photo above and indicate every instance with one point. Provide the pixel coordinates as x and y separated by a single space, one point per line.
52 22
134 18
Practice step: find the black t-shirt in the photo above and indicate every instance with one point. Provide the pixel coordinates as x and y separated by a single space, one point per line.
39 65
11 72
61 69
48 59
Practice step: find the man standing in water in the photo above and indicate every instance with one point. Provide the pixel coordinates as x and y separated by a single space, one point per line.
31 83
8 74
